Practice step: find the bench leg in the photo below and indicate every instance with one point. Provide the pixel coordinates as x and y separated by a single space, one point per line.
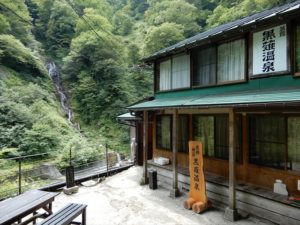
34 221
84 217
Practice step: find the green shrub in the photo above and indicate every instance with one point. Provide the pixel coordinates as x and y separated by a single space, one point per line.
15 55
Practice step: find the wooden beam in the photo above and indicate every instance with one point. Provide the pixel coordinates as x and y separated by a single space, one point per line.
175 191
231 212
145 179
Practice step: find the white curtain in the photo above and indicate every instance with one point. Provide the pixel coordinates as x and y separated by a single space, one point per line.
181 71
231 61
165 75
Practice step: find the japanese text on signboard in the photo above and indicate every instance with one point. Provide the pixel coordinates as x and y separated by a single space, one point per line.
196 153
270 50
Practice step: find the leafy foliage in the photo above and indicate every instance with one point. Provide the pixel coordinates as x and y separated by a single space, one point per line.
162 36
14 54
178 12
97 88
30 117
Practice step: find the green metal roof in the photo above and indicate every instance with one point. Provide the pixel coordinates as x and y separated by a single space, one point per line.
235 99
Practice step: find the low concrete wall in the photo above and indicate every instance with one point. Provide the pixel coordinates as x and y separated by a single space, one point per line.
267 209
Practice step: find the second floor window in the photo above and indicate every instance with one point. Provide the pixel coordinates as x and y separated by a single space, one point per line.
219 64
231 61
174 73
205 67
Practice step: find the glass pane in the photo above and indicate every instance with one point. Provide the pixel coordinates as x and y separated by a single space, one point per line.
267 141
183 133
203 130
205 67
222 137
181 71
231 61
165 75
298 48
163 132
294 143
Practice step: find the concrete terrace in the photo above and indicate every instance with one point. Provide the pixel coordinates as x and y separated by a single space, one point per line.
121 200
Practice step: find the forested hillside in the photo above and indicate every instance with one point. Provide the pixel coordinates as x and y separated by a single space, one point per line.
97 44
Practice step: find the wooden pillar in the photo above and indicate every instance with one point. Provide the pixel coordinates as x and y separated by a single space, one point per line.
145 179
175 191
230 211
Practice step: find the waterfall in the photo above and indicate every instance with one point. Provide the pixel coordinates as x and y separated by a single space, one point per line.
54 74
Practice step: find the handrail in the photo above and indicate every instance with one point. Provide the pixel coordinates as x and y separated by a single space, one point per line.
26 156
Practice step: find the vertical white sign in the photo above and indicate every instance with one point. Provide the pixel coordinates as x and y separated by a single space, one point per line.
270 50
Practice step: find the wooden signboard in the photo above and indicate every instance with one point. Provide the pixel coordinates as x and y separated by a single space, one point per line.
197 196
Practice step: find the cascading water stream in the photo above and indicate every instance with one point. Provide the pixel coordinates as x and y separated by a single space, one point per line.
54 74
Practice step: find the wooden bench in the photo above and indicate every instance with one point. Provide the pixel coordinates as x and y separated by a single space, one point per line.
66 215
21 207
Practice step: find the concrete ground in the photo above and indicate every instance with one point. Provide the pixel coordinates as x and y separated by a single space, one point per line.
121 200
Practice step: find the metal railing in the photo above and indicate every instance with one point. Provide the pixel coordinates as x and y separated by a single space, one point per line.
22 173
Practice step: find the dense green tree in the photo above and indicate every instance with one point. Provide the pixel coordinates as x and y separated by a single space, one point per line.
61 28
102 7
138 7
44 9
4 25
99 60
178 12
122 23
95 20
14 54
163 36
228 11
17 18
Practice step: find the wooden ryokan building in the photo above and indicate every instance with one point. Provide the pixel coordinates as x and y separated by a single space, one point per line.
235 88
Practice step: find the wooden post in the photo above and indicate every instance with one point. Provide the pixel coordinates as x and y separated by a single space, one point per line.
106 157
20 175
145 179
230 211
175 191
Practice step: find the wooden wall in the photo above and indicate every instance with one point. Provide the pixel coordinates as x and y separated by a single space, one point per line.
257 175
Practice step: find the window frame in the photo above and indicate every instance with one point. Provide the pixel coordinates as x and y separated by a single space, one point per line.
238 160
157 73
193 66
216 46
285 140
188 133
171 132
286 150
246 46
293 53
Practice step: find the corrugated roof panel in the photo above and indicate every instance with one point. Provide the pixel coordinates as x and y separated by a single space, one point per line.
271 15
291 9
